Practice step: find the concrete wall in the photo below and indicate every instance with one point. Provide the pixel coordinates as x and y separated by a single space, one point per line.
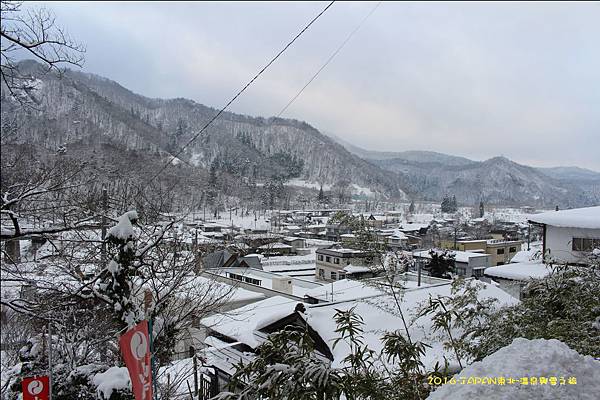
499 259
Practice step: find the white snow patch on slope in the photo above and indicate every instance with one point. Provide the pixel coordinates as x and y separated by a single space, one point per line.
529 358
306 184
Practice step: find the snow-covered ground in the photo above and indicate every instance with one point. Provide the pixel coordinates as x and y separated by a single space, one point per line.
306 184
566 374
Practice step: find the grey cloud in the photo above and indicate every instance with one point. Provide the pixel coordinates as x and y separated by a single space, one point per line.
478 80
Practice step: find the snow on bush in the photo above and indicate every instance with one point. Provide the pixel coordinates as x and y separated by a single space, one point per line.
124 230
114 378
539 358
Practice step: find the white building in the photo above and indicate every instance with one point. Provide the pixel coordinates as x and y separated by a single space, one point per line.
569 236
513 277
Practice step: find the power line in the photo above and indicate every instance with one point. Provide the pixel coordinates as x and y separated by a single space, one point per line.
173 157
340 47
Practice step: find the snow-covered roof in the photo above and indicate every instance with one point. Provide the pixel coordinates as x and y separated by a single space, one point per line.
588 218
276 245
528 358
519 271
459 256
378 319
344 290
398 234
292 238
241 323
413 227
266 278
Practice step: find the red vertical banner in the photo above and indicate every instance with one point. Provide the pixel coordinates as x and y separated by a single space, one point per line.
36 388
135 348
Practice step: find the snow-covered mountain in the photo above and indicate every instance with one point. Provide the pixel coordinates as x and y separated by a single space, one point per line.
86 108
430 175
104 121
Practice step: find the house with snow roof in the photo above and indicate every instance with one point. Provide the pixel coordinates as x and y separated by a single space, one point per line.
331 262
234 337
569 236
513 277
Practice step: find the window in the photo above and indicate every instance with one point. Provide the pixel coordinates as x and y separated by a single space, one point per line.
321 273
478 273
461 271
336 260
320 257
342 276
500 251
334 276
327 259
585 244
512 250
236 277
253 281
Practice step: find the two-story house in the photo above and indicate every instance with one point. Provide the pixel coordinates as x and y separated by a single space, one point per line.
330 263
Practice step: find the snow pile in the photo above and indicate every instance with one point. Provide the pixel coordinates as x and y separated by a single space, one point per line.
524 256
114 378
539 358
124 230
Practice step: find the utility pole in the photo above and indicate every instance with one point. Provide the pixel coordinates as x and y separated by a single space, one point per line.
49 361
332 292
192 351
455 232
104 212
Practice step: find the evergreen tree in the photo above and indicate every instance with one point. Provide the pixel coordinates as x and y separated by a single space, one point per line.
321 195
481 209
441 264
446 204
411 208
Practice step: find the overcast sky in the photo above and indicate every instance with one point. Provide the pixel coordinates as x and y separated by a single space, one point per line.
472 79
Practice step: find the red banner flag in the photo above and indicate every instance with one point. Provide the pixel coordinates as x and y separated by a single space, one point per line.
36 388
135 348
